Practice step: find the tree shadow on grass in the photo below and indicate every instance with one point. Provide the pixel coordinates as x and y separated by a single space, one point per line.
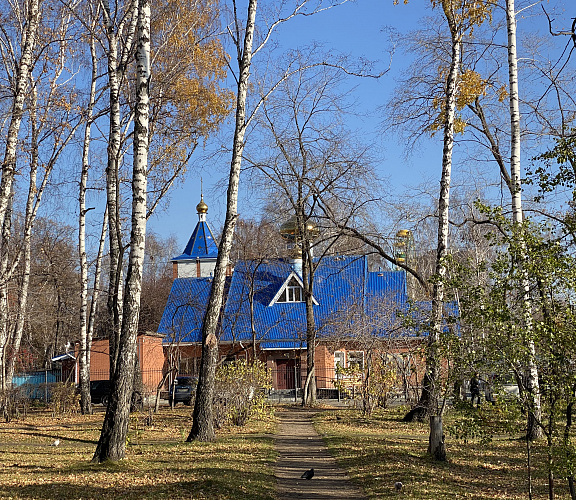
216 484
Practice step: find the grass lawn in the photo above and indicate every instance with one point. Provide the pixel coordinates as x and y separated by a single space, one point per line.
381 450
159 463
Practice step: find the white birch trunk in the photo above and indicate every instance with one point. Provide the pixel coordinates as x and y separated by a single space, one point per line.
428 403
116 69
24 66
203 425
112 444
85 334
532 385
27 241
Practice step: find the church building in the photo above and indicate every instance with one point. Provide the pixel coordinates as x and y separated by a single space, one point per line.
264 313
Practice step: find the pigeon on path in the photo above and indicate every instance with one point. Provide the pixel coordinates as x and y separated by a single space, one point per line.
309 474
56 443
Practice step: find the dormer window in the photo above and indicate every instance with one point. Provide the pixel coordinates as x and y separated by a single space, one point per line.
292 292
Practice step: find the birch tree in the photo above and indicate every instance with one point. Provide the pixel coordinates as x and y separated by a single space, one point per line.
26 23
242 38
534 414
86 328
112 443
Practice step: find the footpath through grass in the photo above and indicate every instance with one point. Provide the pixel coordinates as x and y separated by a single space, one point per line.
159 463
381 450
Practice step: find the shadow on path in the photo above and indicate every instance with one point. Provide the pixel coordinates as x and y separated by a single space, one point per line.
300 448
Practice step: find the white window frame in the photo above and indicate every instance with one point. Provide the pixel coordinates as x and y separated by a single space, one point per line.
339 359
287 293
353 357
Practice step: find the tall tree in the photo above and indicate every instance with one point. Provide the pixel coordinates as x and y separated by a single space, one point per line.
203 421
25 34
312 165
84 327
534 414
243 40
112 443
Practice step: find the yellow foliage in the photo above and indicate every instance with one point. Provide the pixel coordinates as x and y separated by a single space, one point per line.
502 93
466 14
190 64
471 86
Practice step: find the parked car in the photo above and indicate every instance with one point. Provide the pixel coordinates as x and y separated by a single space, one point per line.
183 390
100 393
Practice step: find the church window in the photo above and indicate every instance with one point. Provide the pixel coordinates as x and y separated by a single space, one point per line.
292 292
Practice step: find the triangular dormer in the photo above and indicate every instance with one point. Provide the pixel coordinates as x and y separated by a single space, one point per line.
201 252
291 291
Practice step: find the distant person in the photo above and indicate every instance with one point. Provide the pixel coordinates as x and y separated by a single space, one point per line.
489 390
475 388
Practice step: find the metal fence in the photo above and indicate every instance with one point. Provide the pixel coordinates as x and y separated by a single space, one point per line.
36 384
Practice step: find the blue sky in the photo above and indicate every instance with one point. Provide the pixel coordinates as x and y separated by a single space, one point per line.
355 28
359 29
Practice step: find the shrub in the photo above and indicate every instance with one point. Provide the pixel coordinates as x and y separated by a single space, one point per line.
13 403
64 398
240 392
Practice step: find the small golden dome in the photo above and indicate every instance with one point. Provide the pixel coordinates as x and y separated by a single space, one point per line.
289 230
201 208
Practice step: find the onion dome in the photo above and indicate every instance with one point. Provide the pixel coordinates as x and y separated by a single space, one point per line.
202 208
289 230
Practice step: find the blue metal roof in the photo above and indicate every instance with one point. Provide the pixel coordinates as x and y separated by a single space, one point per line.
201 244
184 312
343 289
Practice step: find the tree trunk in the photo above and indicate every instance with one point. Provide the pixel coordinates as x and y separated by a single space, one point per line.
85 334
428 403
112 443
27 241
203 424
534 413
309 393
436 446
117 61
22 72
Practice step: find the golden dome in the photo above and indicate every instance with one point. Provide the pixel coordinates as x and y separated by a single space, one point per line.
289 229
201 208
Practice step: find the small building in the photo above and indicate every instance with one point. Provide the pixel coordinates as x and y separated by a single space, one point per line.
150 354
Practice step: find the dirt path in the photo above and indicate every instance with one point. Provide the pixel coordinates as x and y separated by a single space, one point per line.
300 448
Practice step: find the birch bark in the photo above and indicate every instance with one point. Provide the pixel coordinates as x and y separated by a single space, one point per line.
203 422
24 67
112 443
117 59
532 385
428 403
85 334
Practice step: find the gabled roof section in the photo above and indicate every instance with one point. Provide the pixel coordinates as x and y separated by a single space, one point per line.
201 245
344 289
293 275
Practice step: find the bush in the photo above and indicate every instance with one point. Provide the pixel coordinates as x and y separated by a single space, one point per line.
240 392
13 403
64 398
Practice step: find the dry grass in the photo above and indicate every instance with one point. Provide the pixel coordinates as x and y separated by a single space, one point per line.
159 463
381 450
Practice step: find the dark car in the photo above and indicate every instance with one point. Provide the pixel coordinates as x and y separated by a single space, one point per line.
183 390
100 393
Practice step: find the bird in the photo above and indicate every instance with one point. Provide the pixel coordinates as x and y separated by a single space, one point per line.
56 443
309 474
398 485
